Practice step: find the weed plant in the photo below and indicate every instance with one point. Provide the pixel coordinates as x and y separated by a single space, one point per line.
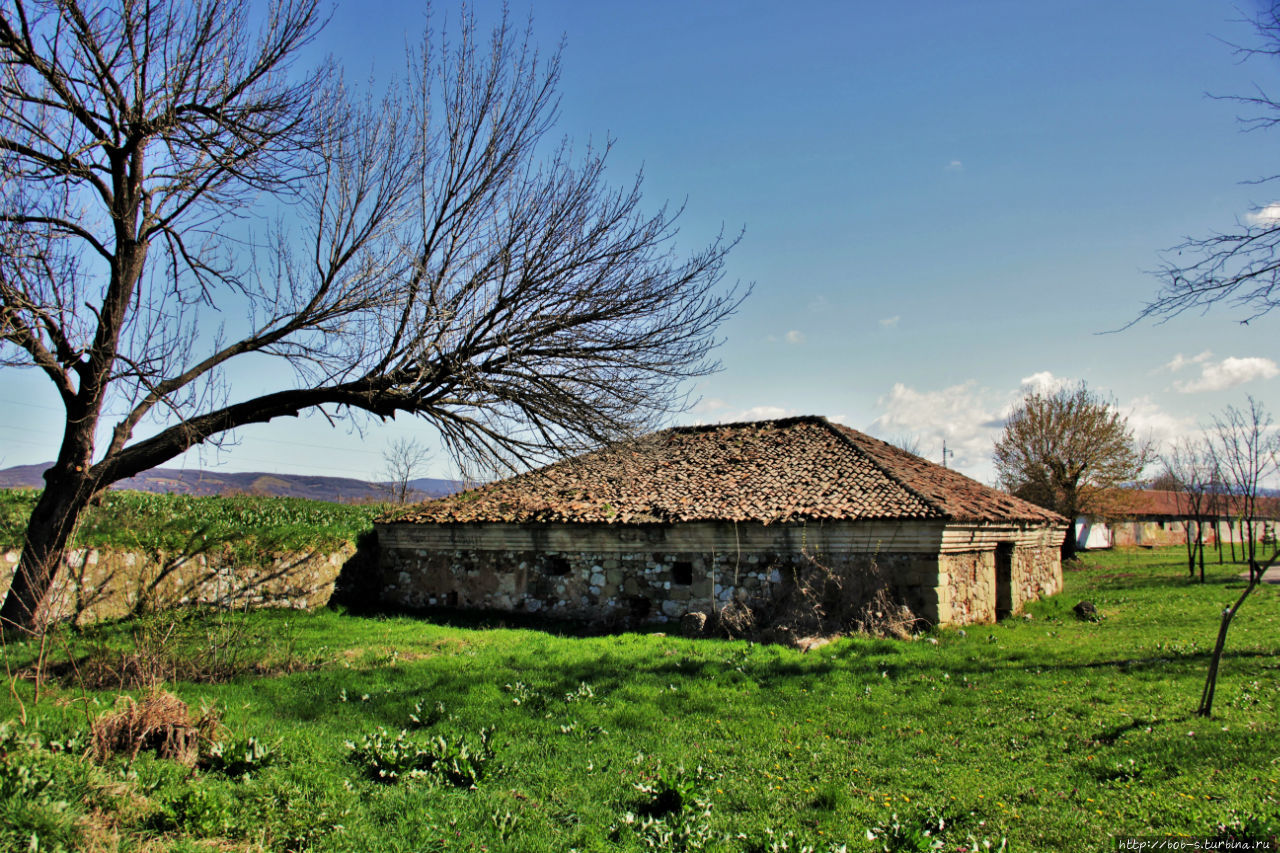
1043 733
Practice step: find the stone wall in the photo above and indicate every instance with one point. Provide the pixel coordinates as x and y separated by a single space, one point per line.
1037 571
967 592
657 573
637 587
968 586
96 584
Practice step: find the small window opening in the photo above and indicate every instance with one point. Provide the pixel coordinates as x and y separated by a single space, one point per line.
682 572
555 566
640 606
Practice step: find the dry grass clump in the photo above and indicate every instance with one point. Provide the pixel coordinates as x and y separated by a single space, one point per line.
882 616
736 620
160 723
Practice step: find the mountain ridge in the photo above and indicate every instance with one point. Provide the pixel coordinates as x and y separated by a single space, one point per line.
203 482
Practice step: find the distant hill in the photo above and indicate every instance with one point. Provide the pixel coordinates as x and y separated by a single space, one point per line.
187 482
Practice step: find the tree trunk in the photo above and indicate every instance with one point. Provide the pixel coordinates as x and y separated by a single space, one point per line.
1211 679
29 606
1191 552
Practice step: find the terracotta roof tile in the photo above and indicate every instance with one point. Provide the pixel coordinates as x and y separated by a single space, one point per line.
1159 503
764 471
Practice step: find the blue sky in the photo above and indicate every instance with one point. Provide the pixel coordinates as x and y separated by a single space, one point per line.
944 204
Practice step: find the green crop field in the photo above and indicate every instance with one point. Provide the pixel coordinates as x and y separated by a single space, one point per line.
167 523
342 732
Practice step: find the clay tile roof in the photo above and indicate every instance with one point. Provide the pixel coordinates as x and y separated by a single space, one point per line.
765 471
1158 503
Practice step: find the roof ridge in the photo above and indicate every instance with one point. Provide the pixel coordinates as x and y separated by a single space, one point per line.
840 431
791 420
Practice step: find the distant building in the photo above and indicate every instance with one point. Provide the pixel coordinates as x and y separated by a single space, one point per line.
1155 518
691 518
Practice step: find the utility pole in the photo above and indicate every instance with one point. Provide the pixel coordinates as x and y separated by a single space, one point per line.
945 452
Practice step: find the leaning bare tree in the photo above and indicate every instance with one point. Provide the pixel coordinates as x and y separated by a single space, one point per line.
1239 267
1248 450
434 253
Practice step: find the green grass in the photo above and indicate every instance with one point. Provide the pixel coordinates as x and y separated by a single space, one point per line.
172 523
1047 733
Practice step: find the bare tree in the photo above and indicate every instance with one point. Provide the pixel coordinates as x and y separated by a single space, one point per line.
1241 266
1190 472
1248 450
1246 447
1068 451
403 461
435 254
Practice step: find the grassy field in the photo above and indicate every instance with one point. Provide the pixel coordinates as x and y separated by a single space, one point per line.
1044 733
164 523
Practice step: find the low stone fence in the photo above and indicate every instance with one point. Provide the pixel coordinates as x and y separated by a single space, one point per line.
101 583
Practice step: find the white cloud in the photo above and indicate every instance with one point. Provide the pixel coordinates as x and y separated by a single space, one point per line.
963 416
1266 217
891 322
970 418
718 414
1228 373
955 166
758 413
1149 422
709 405
795 336
1180 362
1043 382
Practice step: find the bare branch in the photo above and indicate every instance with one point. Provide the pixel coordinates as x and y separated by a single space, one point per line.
435 256
1238 268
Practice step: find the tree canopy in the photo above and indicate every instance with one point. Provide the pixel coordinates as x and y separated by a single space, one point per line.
1067 450
432 253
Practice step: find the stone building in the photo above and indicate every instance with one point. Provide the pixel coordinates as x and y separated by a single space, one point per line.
690 519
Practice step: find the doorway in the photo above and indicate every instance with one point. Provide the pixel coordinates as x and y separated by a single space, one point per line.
1004 580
